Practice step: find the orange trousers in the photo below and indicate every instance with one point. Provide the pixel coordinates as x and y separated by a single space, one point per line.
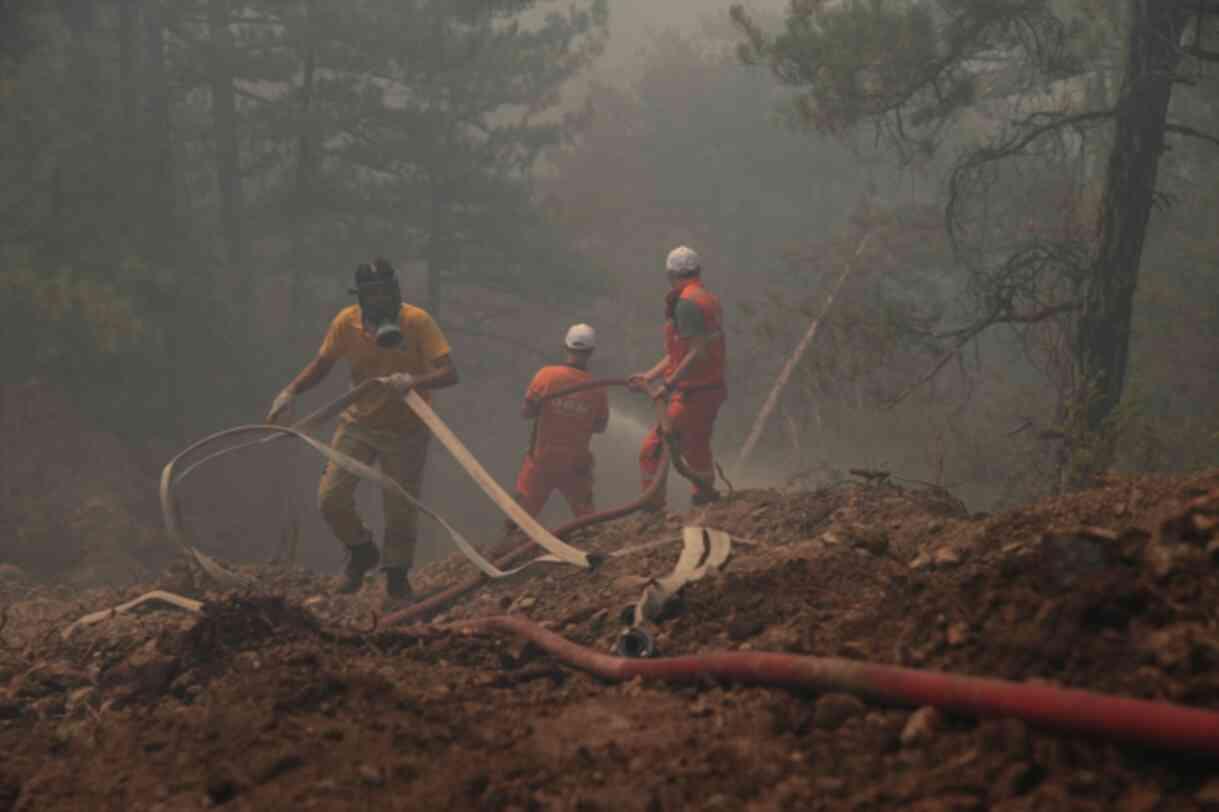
536 482
692 419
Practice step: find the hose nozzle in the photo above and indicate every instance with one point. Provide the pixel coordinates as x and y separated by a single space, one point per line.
635 643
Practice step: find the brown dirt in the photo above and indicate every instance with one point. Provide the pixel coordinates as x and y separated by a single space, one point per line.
288 697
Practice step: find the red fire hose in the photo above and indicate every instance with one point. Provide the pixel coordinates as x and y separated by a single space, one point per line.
1153 724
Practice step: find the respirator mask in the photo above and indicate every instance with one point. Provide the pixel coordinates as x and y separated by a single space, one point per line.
380 300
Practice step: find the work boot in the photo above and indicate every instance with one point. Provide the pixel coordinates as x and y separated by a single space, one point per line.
656 505
361 559
397 587
704 497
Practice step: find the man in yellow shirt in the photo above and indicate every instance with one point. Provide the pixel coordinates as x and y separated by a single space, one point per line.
380 336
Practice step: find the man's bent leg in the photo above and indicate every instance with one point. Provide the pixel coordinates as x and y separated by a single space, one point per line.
337 490
694 421
336 500
404 463
649 466
533 488
576 485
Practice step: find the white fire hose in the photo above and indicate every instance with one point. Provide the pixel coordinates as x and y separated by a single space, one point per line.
558 550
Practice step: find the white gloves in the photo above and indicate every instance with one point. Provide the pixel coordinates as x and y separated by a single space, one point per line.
280 405
400 381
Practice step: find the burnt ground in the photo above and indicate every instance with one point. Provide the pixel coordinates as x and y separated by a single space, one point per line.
286 697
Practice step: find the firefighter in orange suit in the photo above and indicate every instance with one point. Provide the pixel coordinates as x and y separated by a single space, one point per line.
559 457
692 372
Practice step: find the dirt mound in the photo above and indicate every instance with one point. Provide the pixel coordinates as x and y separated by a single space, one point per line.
292 695
241 622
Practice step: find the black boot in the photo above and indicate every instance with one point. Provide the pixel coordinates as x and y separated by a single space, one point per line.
362 558
397 587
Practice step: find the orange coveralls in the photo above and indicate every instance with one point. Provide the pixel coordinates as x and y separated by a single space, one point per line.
559 456
697 397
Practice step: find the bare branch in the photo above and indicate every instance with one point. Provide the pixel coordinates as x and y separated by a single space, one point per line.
1034 317
955 352
1185 129
1057 121
1204 55
923 95
1027 131
964 335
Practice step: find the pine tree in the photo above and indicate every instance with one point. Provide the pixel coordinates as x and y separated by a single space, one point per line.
914 69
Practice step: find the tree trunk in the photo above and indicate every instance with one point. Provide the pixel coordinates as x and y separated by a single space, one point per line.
306 153
128 94
224 124
129 100
160 215
162 237
306 166
1103 338
73 215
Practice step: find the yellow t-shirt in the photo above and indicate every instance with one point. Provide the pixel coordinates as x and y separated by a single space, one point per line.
422 344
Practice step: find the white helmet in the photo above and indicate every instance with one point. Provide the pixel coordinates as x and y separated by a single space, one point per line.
682 261
581 338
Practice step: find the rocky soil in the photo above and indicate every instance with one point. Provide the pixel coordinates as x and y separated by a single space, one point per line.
286 697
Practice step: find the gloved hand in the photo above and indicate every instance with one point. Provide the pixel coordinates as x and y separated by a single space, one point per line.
637 382
280 405
660 391
400 381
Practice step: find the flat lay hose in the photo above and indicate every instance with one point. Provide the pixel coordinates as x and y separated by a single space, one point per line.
1159 725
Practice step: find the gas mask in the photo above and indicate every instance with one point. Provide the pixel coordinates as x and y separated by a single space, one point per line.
380 302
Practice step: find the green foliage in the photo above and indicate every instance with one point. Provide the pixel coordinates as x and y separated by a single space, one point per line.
907 68
426 119
69 323
1039 80
105 340
857 59
408 128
